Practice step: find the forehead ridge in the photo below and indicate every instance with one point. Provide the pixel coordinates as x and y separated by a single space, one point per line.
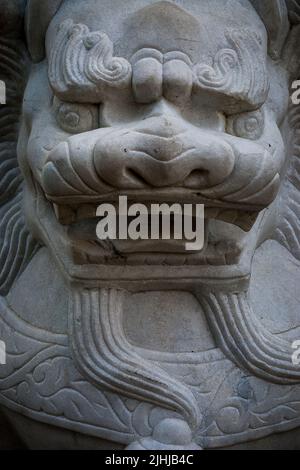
185 25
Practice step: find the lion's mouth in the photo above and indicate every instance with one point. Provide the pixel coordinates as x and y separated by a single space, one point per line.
160 160
226 230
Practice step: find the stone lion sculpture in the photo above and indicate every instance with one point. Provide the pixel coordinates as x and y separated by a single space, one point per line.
142 345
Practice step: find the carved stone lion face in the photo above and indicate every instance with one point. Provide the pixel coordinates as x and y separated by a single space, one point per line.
183 101
165 103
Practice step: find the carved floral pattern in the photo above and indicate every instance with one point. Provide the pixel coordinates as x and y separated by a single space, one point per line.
40 380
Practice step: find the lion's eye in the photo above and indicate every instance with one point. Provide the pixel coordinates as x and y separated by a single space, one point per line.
76 118
247 125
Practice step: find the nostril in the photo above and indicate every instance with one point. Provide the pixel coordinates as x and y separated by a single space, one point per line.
141 157
197 179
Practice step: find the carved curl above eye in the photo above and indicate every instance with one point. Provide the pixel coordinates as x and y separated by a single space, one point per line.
239 71
81 64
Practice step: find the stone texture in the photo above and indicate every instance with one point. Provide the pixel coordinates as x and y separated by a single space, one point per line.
127 344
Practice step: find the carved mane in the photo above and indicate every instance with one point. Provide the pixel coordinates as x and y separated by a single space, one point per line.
16 243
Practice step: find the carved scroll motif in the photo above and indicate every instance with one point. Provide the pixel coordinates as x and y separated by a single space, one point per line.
82 64
237 71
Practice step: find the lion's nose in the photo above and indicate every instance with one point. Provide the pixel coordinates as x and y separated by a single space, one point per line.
163 151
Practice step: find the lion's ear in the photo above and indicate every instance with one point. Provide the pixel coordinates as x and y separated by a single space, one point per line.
274 15
39 14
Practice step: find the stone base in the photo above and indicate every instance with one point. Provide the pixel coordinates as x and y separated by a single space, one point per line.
9 440
39 436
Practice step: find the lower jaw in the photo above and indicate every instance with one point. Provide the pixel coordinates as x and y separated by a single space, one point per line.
117 253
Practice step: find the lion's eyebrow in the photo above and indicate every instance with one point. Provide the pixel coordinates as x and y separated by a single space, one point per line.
82 65
238 73
82 68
